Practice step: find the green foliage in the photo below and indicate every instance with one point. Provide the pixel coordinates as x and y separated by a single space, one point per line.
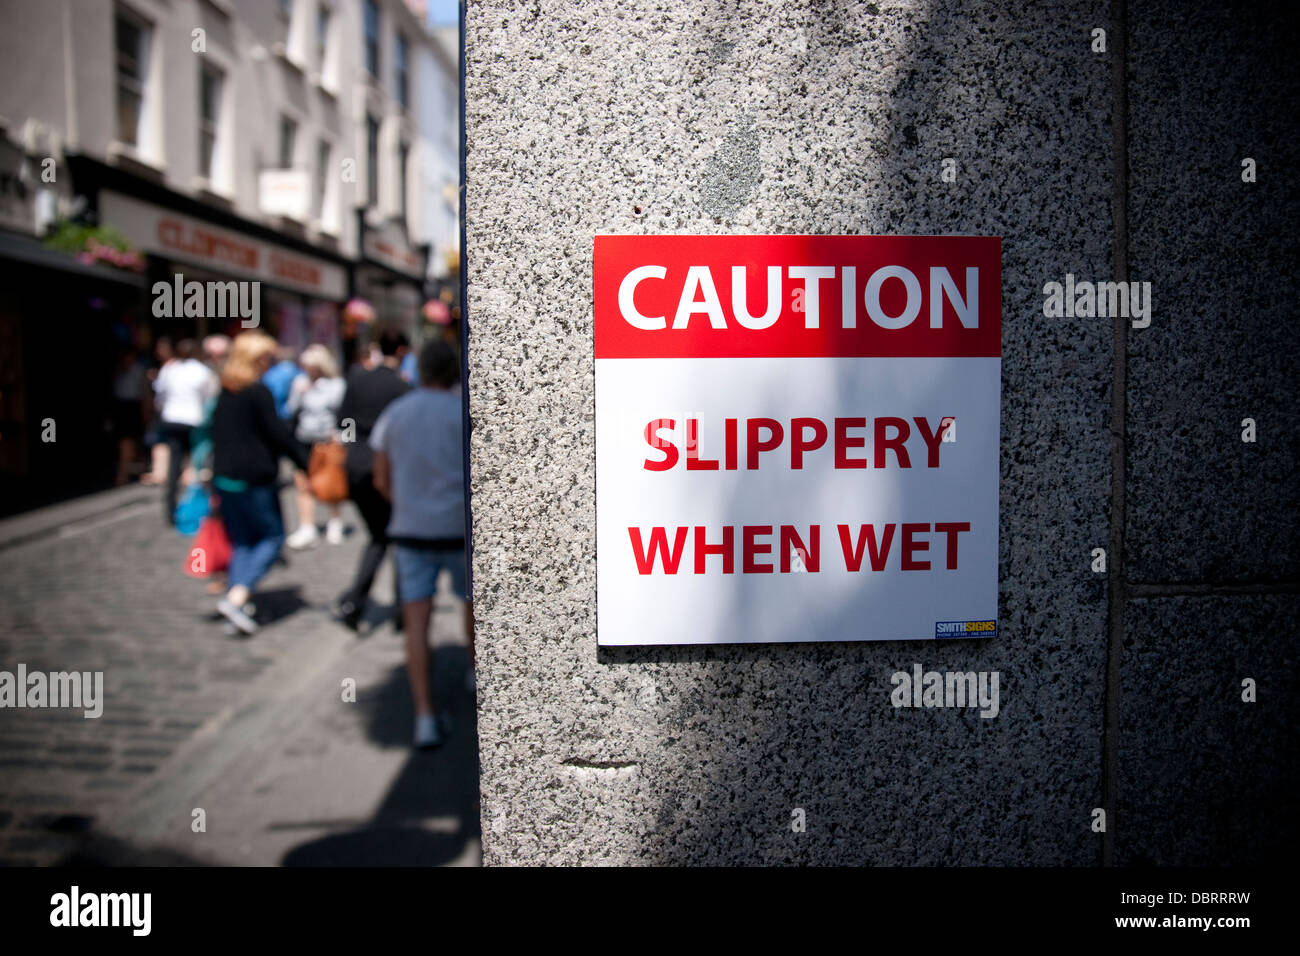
95 245
73 237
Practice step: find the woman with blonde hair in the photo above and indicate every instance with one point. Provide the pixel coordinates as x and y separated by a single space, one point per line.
314 403
248 440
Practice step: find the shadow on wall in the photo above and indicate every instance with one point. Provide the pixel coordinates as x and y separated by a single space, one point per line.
751 734
761 732
748 735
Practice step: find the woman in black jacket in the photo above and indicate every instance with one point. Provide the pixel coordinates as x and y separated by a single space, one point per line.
248 439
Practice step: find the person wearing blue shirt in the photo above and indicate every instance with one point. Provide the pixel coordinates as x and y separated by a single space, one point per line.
409 370
279 379
418 455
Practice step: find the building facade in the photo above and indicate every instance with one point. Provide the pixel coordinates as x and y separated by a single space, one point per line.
279 141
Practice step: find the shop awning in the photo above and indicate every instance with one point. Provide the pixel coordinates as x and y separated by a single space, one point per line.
30 251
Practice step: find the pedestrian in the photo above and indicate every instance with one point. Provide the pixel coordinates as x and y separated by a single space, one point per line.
409 369
368 393
248 439
280 378
129 389
418 466
153 438
215 350
182 389
314 403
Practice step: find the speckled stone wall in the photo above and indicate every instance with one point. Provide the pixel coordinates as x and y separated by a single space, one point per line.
795 116
1213 553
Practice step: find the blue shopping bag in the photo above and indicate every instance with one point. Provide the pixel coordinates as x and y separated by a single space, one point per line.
191 509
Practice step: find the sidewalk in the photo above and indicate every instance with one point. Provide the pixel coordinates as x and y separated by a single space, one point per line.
68 517
253 732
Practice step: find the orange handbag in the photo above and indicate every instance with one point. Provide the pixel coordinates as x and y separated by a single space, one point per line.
326 474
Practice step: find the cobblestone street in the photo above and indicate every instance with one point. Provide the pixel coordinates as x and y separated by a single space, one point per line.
254 732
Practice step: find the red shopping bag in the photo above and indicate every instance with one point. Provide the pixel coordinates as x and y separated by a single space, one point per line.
211 551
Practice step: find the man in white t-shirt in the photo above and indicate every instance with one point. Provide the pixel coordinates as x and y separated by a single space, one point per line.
182 389
418 449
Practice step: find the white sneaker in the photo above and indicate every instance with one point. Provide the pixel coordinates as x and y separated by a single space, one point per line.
305 537
428 732
334 531
236 617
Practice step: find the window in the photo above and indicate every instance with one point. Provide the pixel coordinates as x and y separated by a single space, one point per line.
372 37
372 160
403 84
322 178
209 116
322 35
132 39
285 9
403 154
288 133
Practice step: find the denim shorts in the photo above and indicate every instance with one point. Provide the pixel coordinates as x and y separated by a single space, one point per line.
418 570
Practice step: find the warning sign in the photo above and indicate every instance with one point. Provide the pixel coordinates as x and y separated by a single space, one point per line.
796 438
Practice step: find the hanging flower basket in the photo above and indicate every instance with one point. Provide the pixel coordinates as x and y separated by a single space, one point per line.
94 245
437 312
358 312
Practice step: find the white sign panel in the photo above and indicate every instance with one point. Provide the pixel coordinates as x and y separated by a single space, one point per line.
796 438
285 192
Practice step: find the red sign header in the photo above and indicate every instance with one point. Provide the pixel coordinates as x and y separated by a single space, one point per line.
798 296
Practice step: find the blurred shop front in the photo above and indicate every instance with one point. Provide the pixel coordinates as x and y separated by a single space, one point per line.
78 332
391 276
302 285
61 324
63 319
300 293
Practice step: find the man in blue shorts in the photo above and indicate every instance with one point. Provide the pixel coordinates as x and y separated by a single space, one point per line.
418 466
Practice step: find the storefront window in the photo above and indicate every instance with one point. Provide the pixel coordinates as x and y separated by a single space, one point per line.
396 302
298 321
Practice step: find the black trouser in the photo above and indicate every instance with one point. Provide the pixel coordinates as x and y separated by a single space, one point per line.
375 511
177 438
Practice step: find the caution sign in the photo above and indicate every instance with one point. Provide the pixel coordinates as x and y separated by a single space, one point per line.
796 438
